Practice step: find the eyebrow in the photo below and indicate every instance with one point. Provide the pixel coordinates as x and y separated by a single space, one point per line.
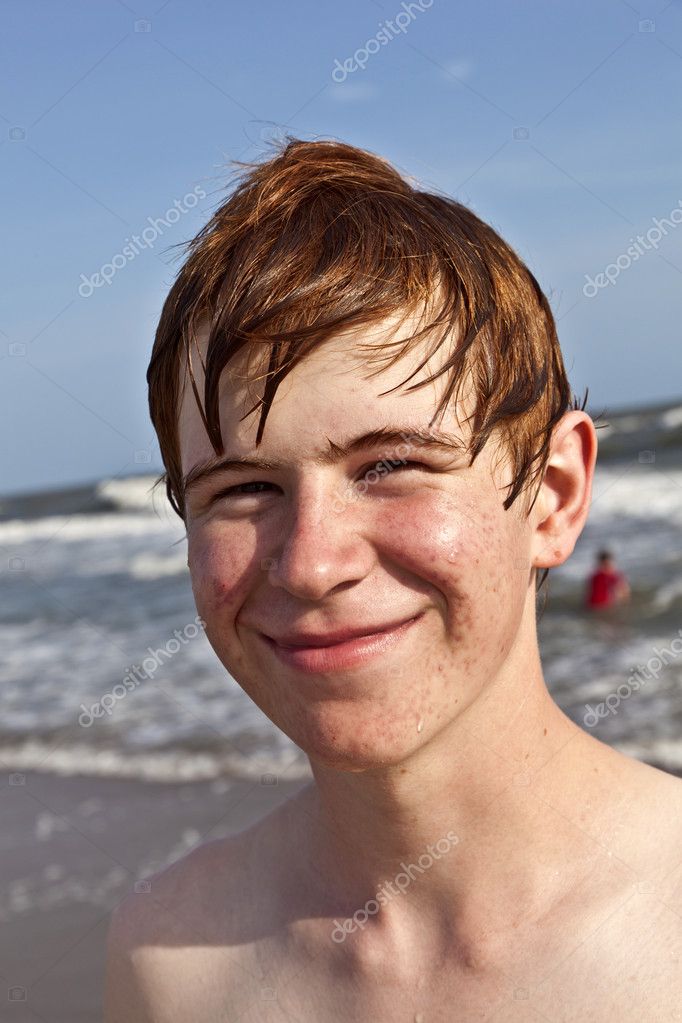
420 438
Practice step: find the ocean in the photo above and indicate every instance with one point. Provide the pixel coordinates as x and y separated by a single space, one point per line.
103 670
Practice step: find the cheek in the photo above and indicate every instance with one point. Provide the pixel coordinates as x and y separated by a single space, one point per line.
222 567
461 548
461 555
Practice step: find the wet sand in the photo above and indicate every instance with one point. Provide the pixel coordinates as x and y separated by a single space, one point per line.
70 849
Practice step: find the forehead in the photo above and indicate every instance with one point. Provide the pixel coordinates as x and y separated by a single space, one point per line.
335 391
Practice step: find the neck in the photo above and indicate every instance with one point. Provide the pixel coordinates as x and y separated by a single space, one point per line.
480 794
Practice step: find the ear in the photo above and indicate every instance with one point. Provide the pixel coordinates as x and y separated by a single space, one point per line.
563 501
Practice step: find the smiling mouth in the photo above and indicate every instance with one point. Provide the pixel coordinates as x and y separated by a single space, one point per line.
310 641
340 649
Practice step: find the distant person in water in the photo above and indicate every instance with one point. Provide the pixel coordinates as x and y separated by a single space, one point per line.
607 586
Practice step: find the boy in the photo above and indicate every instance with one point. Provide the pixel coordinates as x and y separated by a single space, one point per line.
368 431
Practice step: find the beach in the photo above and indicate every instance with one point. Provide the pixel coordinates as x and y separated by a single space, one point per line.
72 848
124 742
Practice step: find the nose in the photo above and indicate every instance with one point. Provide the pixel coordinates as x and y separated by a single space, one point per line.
322 548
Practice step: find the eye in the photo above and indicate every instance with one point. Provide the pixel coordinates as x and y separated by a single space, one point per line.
244 489
371 473
387 467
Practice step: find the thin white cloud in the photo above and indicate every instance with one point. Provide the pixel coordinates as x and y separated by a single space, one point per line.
353 92
460 67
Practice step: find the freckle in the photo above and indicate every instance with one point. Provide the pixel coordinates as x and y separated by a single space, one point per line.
545 732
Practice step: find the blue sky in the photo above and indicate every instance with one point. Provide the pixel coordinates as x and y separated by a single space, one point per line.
557 123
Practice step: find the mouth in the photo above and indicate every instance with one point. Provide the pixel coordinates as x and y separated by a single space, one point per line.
343 648
293 640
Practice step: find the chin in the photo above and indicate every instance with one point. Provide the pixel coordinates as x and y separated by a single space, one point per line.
341 742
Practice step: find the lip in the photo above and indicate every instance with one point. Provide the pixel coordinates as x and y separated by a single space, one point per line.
343 648
310 639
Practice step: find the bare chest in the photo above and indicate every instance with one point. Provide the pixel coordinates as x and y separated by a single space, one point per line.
626 967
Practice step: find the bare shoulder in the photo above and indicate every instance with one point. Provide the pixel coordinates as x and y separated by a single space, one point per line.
202 914
662 825
165 906
638 794
148 930
643 825
623 925
660 795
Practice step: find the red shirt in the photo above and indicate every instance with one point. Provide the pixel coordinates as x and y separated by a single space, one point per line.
602 588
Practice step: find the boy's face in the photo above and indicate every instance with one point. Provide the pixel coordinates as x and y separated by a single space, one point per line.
291 552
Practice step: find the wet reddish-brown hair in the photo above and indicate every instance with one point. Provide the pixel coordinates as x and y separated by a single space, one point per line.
323 237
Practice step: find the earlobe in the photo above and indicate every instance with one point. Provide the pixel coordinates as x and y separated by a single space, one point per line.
564 500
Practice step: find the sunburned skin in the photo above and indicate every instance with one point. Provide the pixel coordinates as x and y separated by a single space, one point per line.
560 895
